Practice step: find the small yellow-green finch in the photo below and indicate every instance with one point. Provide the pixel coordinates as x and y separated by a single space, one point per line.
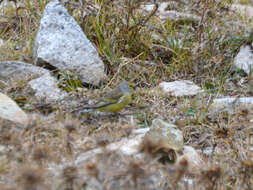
115 100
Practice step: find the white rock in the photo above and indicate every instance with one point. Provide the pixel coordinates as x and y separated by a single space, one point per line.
39 79
149 7
244 59
161 7
126 146
193 158
243 9
175 15
11 111
61 43
1 42
141 131
180 88
166 134
129 146
229 104
165 14
169 134
46 88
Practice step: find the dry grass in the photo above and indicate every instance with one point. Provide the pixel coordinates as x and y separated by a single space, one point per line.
41 156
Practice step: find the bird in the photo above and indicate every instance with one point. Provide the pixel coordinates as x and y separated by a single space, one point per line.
114 101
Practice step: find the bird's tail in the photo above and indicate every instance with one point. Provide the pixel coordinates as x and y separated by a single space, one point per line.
86 109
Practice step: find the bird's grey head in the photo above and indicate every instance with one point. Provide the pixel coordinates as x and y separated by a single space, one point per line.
124 87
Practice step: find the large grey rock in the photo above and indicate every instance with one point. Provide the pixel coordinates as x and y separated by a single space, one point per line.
11 111
61 43
17 70
167 135
244 59
180 88
39 79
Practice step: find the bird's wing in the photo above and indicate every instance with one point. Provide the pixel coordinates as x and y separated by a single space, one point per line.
114 94
118 92
99 105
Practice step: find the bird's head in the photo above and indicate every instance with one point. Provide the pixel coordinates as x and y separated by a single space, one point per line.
124 87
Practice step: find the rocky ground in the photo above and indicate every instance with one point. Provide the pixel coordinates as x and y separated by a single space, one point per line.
189 125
